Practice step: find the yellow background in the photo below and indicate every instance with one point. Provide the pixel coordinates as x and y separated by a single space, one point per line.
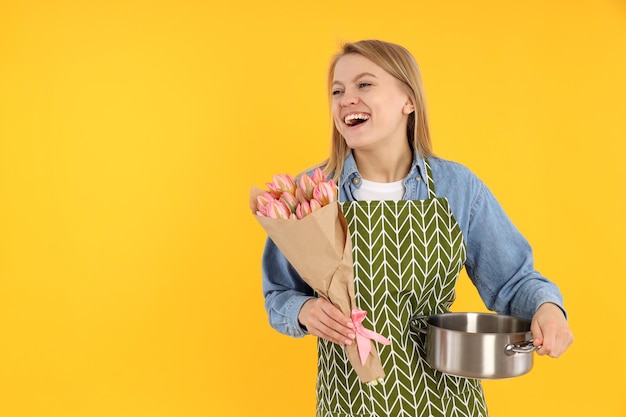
131 132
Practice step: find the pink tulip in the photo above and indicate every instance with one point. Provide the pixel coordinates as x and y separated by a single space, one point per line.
290 200
282 184
315 205
262 201
325 192
277 209
264 198
303 209
300 195
319 176
306 185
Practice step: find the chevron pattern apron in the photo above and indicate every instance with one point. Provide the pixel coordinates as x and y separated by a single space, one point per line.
407 257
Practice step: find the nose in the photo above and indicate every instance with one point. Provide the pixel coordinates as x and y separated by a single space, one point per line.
349 98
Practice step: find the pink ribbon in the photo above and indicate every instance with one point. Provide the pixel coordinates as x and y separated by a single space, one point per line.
363 335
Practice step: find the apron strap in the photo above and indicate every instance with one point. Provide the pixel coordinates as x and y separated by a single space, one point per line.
429 180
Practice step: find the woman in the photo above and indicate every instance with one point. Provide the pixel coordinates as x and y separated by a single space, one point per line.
381 151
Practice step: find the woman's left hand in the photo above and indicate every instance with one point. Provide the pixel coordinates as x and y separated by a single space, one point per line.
550 330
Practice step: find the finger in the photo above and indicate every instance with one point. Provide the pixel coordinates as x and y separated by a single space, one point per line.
337 326
547 346
563 340
333 336
337 315
336 318
319 328
537 334
544 339
553 343
321 319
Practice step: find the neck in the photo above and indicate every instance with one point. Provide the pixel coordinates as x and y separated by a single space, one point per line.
389 166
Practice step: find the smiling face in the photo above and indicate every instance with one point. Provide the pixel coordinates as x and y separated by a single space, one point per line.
370 107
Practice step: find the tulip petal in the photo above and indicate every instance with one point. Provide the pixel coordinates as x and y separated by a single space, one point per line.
315 205
277 209
318 176
325 193
284 183
303 209
290 200
307 185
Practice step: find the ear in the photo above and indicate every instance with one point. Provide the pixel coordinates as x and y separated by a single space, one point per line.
408 107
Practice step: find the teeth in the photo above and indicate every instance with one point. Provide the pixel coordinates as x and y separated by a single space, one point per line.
355 116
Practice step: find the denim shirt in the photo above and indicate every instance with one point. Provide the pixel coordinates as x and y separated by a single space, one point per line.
499 259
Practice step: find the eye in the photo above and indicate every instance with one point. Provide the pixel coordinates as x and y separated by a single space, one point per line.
364 85
335 92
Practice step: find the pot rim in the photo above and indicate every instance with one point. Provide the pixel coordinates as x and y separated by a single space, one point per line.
427 319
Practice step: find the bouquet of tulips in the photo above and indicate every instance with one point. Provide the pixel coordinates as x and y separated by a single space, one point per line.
303 218
288 200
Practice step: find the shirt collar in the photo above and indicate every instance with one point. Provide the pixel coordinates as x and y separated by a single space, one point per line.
350 169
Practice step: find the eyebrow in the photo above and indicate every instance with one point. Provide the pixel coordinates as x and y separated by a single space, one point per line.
363 74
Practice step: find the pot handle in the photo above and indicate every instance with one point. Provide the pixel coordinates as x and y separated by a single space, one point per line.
414 323
522 347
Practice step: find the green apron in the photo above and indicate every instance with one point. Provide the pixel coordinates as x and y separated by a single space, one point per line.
407 257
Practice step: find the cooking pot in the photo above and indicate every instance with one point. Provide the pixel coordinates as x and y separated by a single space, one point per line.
477 345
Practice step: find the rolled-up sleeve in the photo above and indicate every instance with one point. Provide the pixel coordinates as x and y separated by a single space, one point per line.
284 291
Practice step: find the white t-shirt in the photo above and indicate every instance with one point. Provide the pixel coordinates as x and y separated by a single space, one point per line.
380 190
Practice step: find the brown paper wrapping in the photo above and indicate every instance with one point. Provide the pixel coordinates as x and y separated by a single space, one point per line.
318 246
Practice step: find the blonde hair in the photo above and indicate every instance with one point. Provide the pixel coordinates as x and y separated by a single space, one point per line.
398 62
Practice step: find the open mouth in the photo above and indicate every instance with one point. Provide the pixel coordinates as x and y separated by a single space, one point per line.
354 119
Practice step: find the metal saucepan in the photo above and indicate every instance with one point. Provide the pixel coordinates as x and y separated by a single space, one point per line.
477 345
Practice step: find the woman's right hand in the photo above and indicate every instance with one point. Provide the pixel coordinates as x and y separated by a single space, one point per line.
322 319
